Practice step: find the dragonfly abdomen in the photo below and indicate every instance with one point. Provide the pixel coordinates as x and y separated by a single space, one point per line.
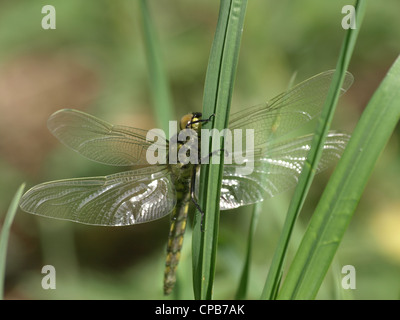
175 239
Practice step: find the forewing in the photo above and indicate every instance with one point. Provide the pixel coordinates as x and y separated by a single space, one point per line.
288 110
100 141
121 199
275 170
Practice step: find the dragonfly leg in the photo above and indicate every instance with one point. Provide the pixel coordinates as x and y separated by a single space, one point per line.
200 210
193 197
210 117
215 152
201 120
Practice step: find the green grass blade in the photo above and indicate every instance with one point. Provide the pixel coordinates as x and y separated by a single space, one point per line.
209 105
5 231
158 79
244 279
343 192
217 97
274 276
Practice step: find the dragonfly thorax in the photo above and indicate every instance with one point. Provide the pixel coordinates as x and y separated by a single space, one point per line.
184 147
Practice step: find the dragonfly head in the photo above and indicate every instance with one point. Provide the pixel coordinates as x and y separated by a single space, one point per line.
191 121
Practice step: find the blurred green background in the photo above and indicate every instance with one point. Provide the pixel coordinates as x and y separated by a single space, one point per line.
95 61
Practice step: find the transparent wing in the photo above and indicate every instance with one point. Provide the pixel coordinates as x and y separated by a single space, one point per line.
288 110
275 170
100 141
120 199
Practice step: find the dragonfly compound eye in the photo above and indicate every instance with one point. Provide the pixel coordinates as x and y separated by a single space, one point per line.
185 120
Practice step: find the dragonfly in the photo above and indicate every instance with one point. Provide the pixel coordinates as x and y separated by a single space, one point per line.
150 192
